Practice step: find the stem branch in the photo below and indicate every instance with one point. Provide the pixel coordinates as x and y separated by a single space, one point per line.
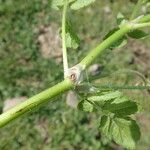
64 48
67 84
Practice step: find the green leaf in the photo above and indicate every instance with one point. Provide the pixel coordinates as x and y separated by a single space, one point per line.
146 1
120 19
72 40
85 106
105 125
57 4
81 3
137 34
123 131
123 108
105 96
118 44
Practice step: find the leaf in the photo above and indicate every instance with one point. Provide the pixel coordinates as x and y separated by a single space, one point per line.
57 4
105 96
85 106
123 131
118 44
138 34
120 19
105 125
72 40
124 108
81 3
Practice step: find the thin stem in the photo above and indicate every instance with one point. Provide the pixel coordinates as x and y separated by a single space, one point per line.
35 101
136 9
123 87
145 19
64 48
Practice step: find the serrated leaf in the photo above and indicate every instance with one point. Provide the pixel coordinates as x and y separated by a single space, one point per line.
81 3
138 34
105 96
118 44
84 105
72 40
124 108
105 125
123 131
57 4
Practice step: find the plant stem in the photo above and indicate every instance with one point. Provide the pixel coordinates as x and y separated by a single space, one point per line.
104 45
67 84
64 48
35 101
123 87
145 19
142 25
136 9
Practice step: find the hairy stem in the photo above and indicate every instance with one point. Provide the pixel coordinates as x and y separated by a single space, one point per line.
123 87
35 101
64 48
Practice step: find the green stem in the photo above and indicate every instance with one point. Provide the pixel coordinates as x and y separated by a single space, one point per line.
104 45
141 25
123 87
35 101
145 19
67 84
136 9
64 48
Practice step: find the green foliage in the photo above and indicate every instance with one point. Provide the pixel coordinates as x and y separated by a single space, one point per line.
123 131
138 34
85 106
120 19
74 4
81 3
21 46
115 123
57 4
105 96
72 40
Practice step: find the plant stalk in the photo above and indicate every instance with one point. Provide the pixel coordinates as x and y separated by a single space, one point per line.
104 45
64 48
67 84
35 101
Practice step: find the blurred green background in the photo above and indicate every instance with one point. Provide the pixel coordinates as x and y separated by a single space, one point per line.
30 61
